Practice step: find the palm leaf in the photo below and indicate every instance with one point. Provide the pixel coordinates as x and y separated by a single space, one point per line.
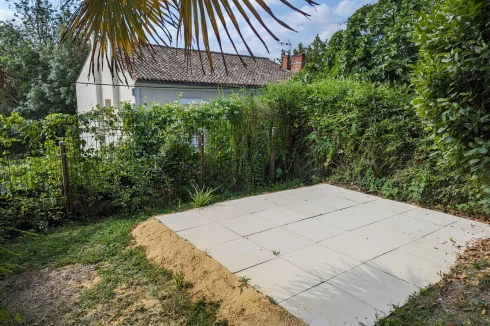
122 29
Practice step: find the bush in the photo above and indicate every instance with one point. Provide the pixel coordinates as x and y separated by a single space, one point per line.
452 83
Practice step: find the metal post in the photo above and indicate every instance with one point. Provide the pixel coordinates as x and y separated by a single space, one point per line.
272 170
65 191
201 154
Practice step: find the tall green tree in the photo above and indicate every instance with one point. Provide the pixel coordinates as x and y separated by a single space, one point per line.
452 81
44 73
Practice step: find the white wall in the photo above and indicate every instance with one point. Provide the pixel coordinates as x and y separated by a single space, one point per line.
97 89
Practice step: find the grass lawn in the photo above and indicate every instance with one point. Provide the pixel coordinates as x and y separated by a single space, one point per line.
118 285
90 274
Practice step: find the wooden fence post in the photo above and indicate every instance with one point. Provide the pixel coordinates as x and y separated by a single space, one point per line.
65 190
272 170
201 155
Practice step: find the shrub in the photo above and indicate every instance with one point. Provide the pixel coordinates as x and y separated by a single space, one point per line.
451 79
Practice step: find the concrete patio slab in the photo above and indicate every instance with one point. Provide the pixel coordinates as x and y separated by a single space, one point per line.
358 246
184 220
327 305
337 265
369 284
357 196
247 224
207 236
291 281
240 254
309 208
221 211
443 256
430 216
314 229
280 240
353 217
321 261
407 267
334 202
253 204
281 198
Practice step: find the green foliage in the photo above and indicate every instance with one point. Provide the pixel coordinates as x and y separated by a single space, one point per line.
201 196
451 80
44 72
203 313
244 283
376 45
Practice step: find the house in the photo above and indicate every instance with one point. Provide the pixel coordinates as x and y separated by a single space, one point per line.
166 75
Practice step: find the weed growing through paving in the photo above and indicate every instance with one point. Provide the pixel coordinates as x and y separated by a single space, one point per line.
276 253
244 283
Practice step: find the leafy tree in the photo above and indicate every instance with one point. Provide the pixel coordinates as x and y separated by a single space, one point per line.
452 80
376 44
44 72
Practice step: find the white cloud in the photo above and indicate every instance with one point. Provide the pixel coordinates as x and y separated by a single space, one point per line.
6 14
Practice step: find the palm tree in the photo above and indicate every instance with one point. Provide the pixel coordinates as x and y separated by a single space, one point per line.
123 28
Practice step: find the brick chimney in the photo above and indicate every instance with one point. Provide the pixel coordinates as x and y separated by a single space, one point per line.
298 62
286 62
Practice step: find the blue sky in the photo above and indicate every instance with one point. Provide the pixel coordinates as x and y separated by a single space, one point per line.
326 18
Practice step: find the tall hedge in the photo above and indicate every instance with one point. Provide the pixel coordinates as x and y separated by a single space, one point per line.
452 81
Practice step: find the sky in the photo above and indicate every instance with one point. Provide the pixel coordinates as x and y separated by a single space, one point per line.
326 18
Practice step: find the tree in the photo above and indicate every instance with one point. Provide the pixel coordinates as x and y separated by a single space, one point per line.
128 27
452 81
44 73
377 42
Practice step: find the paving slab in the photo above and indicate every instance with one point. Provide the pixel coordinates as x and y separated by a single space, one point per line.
247 224
281 215
355 217
280 240
184 220
280 279
357 196
327 305
443 256
321 261
390 205
282 198
314 229
240 254
221 211
334 202
309 208
357 246
343 256
371 285
410 268
207 236
253 204
431 216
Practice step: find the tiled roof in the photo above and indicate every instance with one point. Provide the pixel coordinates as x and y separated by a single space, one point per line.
168 64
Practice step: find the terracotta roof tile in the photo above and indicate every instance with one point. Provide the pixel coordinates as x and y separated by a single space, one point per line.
168 64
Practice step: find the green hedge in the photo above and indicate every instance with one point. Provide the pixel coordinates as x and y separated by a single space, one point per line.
340 130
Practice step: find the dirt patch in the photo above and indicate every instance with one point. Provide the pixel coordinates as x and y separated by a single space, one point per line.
42 295
211 281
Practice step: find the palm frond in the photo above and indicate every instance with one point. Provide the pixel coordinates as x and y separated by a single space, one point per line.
122 29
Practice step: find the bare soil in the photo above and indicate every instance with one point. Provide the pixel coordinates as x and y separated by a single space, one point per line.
41 295
210 280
